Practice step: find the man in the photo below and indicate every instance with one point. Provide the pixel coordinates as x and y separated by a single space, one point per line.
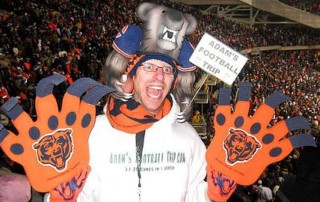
139 151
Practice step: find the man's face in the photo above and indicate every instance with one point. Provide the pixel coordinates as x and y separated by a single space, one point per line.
151 88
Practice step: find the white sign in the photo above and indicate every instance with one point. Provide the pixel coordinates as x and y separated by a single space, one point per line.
218 59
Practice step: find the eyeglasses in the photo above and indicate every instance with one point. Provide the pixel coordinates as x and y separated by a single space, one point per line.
153 68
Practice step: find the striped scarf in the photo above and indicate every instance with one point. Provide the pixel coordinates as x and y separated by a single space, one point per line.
131 116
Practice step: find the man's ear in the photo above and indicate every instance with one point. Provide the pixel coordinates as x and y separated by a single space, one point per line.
144 9
128 84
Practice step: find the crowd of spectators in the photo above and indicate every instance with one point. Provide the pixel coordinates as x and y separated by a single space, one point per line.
289 72
250 37
73 37
311 6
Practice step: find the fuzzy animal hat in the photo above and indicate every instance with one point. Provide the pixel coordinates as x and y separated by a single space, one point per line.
128 43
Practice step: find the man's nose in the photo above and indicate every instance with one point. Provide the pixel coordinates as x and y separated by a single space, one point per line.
159 72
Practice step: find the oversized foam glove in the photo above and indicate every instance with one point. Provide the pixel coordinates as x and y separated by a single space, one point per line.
54 148
244 146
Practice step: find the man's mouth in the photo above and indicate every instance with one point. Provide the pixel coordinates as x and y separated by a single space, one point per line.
169 35
154 92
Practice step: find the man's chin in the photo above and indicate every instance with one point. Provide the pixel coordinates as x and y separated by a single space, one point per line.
152 107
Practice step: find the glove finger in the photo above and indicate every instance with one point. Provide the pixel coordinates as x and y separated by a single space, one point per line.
223 108
96 93
45 86
72 98
71 103
282 128
244 92
3 133
15 112
286 145
46 103
266 110
264 114
89 99
242 107
302 140
80 86
224 96
10 144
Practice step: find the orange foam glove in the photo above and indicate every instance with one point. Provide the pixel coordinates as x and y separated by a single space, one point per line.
244 146
54 148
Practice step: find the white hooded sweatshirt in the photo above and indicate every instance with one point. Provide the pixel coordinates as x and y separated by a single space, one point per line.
172 164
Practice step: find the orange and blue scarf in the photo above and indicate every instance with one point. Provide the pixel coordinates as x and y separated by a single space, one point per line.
131 116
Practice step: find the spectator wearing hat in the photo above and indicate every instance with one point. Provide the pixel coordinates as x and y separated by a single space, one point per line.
264 193
157 162
221 24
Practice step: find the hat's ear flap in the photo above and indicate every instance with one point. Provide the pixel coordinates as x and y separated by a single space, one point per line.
192 23
143 10
185 54
128 40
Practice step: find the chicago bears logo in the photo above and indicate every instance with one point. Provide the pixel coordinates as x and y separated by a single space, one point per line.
223 183
239 146
55 149
68 190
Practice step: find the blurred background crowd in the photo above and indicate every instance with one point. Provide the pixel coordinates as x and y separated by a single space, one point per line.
311 6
